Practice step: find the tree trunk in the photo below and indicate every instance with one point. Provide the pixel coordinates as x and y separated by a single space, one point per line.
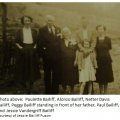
4 20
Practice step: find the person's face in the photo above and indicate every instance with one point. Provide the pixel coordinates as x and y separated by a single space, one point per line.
27 21
66 34
84 23
101 30
50 22
86 45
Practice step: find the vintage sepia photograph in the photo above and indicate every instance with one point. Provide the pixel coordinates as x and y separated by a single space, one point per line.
59 48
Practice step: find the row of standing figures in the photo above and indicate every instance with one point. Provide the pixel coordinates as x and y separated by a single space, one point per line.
68 60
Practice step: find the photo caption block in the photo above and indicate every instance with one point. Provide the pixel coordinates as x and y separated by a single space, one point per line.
41 106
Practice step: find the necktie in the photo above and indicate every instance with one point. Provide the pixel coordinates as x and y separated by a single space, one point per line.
69 43
51 31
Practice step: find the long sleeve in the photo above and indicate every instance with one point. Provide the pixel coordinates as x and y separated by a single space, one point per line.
35 36
93 41
79 41
17 37
39 43
93 58
79 60
109 44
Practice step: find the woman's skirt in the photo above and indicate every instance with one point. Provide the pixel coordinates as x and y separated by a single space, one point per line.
27 67
104 73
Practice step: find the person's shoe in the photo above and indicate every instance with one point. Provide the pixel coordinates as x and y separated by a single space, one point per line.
61 89
67 89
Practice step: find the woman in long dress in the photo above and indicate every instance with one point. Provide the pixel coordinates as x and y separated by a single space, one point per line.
69 73
27 70
104 72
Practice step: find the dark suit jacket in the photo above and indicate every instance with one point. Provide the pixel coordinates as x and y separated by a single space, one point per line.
48 44
19 36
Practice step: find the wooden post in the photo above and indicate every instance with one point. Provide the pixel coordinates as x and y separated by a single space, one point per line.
4 39
4 20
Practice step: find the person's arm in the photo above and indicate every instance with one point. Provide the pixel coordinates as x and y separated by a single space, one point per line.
93 57
93 41
79 60
109 44
76 59
17 40
80 46
40 42
79 42
35 38
18 45
58 32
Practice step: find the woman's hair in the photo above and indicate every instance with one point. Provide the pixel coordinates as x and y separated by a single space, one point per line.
101 26
22 19
66 30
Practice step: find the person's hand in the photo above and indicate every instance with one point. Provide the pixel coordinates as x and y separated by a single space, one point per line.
90 50
86 53
75 63
59 35
82 49
61 89
34 46
20 47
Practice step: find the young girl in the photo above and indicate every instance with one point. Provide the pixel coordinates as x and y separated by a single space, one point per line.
86 62
69 76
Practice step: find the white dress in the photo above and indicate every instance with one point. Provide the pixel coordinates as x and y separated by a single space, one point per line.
88 72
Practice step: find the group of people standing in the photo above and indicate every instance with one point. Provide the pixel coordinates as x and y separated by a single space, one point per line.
68 60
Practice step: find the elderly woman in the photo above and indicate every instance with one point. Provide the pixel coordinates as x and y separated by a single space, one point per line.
104 73
26 64
69 71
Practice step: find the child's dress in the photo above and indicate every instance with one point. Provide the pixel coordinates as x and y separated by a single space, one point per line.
86 66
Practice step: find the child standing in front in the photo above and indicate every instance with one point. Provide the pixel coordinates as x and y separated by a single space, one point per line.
87 64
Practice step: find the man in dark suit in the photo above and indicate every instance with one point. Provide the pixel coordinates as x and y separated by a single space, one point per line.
49 49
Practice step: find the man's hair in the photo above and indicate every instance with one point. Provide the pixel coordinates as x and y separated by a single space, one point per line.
50 17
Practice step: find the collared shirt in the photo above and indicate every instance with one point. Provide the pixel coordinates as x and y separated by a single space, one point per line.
85 34
51 29
66 43
101 37
27 36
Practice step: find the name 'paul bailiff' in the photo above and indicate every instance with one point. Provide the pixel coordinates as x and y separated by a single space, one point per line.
107 105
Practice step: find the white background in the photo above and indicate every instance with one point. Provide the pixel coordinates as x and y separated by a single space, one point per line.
77 113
